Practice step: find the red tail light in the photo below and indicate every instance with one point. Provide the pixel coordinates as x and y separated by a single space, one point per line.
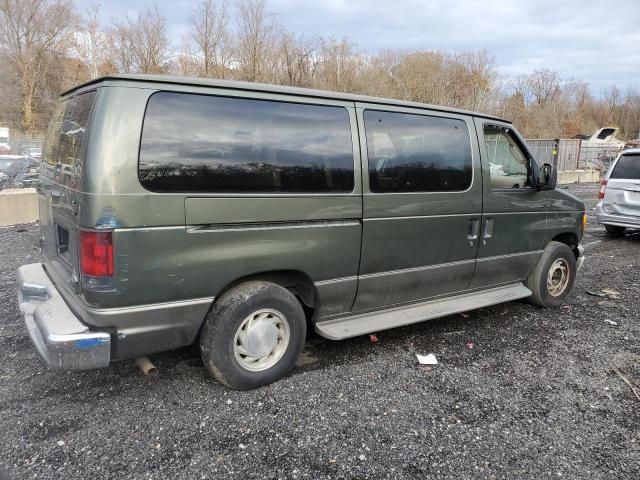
96 253
603 187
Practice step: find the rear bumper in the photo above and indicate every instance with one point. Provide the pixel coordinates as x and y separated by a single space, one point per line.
61 339
617 220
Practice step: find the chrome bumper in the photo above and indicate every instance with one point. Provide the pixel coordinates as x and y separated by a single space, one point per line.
61 339
580 259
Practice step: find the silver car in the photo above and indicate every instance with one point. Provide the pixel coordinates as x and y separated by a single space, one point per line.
618 207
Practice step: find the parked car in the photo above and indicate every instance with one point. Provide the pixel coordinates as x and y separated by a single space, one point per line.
20 171
29 177
618 207
237 215
34 152
27 147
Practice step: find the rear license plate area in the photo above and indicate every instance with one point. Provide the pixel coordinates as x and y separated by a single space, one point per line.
62 241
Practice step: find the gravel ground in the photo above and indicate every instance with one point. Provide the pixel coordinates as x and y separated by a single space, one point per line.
535 397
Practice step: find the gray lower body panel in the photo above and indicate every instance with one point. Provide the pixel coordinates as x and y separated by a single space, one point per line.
502 269
626 221
335 296
130 331
364 323
389 288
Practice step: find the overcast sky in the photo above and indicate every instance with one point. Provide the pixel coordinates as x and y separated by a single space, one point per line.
592 40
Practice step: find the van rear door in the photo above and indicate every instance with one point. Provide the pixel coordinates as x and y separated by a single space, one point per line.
61 185
622 196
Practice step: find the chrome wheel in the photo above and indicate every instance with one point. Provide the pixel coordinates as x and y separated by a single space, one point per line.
558 277
261 340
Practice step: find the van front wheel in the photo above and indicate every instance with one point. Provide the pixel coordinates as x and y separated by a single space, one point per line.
253 335
553 277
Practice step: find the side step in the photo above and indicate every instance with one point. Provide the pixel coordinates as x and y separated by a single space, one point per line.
364 323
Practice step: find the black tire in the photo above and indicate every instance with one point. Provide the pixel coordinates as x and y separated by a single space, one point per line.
614 229
224 320
537 281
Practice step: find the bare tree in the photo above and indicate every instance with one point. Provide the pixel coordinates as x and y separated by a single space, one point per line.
544 86
211 36
33 33
257 31
89 42
297 60
187 63
338 65
141 44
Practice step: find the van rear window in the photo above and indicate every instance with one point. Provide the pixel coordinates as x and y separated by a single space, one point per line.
628 167
65 136
205 143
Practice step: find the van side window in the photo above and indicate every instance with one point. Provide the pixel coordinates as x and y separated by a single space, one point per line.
507 163
417 153
205 143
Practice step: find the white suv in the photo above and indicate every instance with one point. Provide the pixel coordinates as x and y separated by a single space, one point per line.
619 197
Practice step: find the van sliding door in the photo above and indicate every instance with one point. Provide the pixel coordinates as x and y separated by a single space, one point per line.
422 190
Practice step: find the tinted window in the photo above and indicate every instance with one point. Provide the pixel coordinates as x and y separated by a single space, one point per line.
416 153
627 167
202 143
66 132
507 164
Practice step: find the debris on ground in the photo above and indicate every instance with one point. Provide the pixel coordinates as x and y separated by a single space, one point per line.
595 294
465 315
373 338
611 293
610 322
470 345
429 359
634 388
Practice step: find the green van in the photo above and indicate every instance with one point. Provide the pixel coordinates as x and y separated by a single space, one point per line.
240 215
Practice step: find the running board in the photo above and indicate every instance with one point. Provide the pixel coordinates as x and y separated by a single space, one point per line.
363 323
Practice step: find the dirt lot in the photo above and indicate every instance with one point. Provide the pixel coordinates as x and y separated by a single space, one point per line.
534 398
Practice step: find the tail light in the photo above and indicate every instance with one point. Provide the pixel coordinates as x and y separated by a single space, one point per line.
603 187
96 253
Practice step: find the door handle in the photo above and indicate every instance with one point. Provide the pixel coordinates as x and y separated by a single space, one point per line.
488 230
474 230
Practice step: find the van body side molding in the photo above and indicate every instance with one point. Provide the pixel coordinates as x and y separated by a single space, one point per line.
369 322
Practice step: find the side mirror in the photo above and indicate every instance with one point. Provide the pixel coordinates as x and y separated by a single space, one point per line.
548 177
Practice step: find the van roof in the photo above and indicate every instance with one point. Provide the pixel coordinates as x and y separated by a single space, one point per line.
262 87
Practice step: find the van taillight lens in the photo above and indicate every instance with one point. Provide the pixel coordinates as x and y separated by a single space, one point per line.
96 253
603 187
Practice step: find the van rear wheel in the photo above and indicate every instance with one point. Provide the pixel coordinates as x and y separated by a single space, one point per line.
253 335
554 276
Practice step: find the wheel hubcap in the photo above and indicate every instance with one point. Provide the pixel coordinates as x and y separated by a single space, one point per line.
261 340
558 277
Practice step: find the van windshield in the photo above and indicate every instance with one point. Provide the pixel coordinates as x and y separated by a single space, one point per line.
628 167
